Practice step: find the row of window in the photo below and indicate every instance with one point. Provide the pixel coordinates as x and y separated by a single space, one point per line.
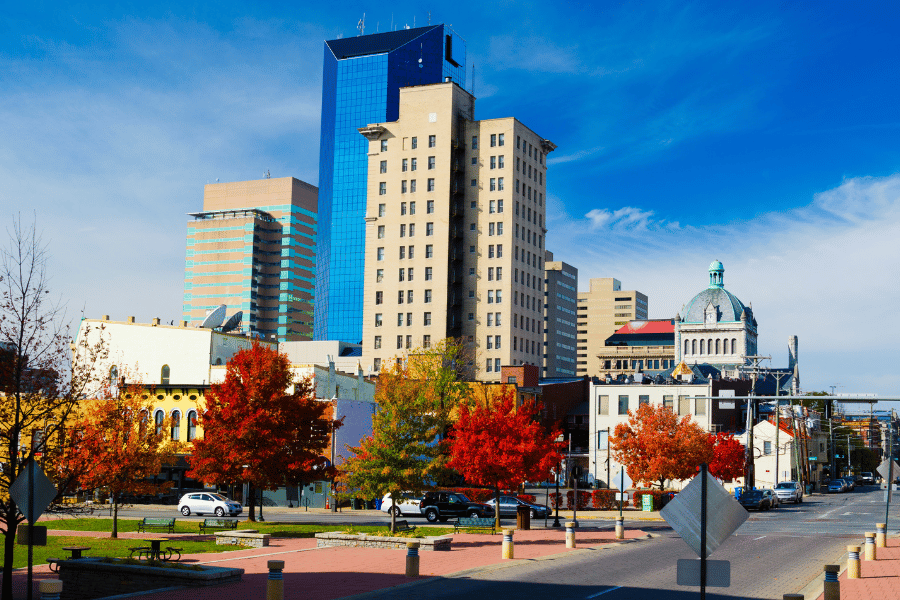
382 186
533 174
706 346
403 296
528 149
652 364
529 258
684 404
404 274
496 162
492 342
523 345
414 143
527 193
526 301
404 250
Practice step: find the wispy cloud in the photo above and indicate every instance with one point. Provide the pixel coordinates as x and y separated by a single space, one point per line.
625 218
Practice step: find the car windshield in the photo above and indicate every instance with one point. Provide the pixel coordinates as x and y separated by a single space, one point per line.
752 495
785 486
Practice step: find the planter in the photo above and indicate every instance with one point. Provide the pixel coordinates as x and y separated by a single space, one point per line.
362 540
88 578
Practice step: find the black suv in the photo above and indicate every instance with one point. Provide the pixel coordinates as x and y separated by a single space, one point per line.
440 506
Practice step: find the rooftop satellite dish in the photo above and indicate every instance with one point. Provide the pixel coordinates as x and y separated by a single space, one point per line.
233 321
215 318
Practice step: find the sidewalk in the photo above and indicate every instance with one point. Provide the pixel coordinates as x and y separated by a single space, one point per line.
879 579
329 573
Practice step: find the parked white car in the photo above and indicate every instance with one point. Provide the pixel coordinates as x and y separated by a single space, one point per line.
407 504
789 491
208 503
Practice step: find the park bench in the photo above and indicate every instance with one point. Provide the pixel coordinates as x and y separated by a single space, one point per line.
151 523
209 524
403 525
474 523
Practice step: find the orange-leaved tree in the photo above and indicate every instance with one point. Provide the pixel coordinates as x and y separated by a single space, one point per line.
655 445
118 445
500 445
728 457
257 431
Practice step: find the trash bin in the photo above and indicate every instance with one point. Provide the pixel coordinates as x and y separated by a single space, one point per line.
354 503
523 518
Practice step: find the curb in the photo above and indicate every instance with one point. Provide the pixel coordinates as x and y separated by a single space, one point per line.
489 568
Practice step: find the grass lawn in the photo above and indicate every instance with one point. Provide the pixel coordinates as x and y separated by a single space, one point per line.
103 547
295 530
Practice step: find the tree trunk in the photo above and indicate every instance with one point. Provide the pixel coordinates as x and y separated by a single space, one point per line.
497 506
115 512
393 516
251 505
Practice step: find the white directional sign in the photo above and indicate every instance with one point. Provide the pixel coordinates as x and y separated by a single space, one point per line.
44 492
884 470
723 514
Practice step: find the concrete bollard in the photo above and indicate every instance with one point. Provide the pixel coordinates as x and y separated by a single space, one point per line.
50 589
620 528
570 533
275 583
853 562
832 587
792 597
871 552
881 535
412 559
508 551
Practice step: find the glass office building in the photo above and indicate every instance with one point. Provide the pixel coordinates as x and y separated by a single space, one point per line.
361 85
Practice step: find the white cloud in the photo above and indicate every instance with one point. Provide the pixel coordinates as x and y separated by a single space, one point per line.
825 272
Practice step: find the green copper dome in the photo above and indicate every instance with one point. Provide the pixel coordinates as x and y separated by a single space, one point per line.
728 306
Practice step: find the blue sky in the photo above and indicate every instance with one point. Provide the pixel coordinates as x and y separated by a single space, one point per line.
764 135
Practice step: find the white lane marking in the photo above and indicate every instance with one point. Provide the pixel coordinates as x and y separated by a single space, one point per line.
759 538
603 592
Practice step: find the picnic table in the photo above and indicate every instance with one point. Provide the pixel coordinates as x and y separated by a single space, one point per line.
75 551
155 552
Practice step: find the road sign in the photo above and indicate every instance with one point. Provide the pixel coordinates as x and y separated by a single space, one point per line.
724 514
622 480
718 572
44 492
884 469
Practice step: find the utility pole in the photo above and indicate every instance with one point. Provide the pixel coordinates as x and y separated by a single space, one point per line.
752 410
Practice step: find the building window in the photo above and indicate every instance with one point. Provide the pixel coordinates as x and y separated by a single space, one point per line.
767 447
429 250
403 231
428 318
413 164
493 140
474 142
380 231
377 342
403 191
500 161
408 342
400 297
409 272
623 405
497 342
490 228
491 251
376 364
432 141
426 341
427 296
492 206
399 319
493 162
603 405
429 229
500 139
490 273
643 399
409 319
499 296
379 254
164 375
414 142
497 365
402 252
399 342
379 297
409 296
176 425
384 166
402 273
493 186
412 187
378 320
430 163
158 418
382 188
191 425
427 273
500 228
669 402
429 207
499 206
500 184
381 209
379 275
489 343
490 319
384 145
684 405
699 406
499 250
489 366
430 184
490 296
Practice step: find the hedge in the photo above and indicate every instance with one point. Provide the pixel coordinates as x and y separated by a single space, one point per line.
657 497
584 498
605 499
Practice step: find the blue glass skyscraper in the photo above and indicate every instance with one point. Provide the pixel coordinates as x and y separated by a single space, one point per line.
361 85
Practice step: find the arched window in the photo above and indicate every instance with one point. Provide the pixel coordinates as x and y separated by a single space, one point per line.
717 347
702 346
192 425
164 375
145 416
113 375
687 347
176 425
158 419
693 346
733 345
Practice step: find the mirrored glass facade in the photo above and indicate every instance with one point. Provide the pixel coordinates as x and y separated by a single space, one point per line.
361 86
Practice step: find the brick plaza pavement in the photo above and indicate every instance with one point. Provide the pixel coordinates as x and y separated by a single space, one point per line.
880 579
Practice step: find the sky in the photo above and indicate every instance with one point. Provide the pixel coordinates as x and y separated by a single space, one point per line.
764 135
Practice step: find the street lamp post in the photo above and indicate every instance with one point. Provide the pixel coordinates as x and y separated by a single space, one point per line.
556 519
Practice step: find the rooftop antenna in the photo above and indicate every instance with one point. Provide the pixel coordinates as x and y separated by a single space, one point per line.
268 174
414 20
392 22
362 25
429 17
473 78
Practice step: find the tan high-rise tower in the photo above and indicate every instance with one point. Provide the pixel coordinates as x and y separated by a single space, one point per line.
601 311
455 230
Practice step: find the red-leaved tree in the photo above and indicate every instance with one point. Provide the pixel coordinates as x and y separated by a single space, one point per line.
728 457
501 445
655 445
255 432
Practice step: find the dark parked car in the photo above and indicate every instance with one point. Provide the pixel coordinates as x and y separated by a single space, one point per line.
756 499
440 506
509 505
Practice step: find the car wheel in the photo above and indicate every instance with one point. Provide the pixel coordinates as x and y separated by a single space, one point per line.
431 515
397 511
473 514
185 511
220 512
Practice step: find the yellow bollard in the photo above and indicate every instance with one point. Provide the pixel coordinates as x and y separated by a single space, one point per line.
881 535
50 589
853 570
508 543
620 528
275 583
871 551
832 587
570 533
412 559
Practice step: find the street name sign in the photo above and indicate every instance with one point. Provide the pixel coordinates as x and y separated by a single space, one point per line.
724 514
44 492
718 572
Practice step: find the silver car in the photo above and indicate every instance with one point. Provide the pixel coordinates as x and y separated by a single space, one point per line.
208 503
789 491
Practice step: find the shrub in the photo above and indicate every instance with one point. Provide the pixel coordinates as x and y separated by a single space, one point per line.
604 499
527 498
555 500
584 498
